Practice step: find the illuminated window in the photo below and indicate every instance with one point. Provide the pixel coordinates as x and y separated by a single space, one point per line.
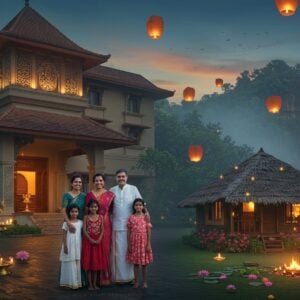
292 212
248 207
30 179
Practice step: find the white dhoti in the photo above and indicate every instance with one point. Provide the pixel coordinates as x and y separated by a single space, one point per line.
122 271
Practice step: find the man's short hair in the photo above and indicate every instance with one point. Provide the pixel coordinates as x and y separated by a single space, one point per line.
121 171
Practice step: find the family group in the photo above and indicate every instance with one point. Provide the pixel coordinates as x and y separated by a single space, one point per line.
106 234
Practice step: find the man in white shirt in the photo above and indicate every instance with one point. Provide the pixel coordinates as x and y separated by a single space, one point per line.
122 271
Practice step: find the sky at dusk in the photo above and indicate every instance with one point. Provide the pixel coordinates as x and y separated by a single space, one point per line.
202 40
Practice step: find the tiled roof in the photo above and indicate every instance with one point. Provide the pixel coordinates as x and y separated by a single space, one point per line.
126 79
44 124
29 25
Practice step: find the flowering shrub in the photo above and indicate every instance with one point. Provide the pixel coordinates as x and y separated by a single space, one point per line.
291 241
22 255
217 240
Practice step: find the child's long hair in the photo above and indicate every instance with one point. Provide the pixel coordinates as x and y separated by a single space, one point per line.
93 201
138 200
70 207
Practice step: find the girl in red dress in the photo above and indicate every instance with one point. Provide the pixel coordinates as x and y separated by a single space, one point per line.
139 250
91 247
105 200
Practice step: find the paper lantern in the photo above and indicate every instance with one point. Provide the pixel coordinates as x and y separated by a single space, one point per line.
189 94
219 82
286 7
195 153
155 27
273 104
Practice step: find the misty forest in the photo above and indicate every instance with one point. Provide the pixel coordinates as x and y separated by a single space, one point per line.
231 126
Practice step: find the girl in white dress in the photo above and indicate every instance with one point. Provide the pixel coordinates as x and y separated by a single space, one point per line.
70 254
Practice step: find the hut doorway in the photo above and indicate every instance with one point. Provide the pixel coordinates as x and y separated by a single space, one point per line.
269 222
31 180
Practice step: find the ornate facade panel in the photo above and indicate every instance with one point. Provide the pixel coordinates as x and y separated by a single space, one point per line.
72 73
6 69
48 75
23 69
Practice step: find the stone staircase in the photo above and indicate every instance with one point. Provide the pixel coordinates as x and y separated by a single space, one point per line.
272 243
50 223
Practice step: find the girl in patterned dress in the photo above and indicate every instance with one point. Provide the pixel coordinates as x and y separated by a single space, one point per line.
91 246
70 272
139 250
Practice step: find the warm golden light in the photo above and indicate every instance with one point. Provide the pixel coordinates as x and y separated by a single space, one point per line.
219 82
281 169
236 167
247 194
195 153
219 257
248 207
294 265
287 7
189 94
31 180
252 178
273 104
155 27
221 176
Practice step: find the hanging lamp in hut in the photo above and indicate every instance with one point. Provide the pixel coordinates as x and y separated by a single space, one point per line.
287 7
219 82
188 94
273 104
155 27
195 153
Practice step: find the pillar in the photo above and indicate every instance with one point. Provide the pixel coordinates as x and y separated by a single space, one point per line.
7 163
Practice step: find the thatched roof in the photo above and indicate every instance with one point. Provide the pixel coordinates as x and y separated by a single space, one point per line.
275 182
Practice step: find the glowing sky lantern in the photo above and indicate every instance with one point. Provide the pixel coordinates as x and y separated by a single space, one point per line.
195 153
287 7
219 82
189 94
155 27
273 104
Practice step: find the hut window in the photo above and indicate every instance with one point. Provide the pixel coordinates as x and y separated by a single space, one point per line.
134 104
215 211
95 97
248 207
292 212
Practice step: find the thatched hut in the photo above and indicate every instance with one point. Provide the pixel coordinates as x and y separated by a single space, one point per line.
261 196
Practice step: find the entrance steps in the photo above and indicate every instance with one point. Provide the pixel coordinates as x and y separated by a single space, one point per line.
272 243
50 223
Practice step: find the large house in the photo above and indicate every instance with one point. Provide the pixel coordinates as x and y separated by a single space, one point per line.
62 112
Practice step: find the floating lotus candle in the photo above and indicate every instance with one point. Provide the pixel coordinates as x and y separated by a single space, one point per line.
219 257
4 264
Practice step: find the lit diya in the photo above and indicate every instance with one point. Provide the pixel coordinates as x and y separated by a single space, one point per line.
4 264
219 257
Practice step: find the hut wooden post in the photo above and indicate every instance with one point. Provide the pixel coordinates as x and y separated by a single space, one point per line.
261 229
231 219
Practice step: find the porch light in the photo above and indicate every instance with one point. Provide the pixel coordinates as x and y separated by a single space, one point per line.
247 194
221 177
236 167
252 178
281 168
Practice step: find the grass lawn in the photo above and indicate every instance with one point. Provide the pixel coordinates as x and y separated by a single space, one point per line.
191 260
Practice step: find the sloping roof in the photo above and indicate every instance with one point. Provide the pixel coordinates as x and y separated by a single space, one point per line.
271 185
127 79
28 25
52 125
